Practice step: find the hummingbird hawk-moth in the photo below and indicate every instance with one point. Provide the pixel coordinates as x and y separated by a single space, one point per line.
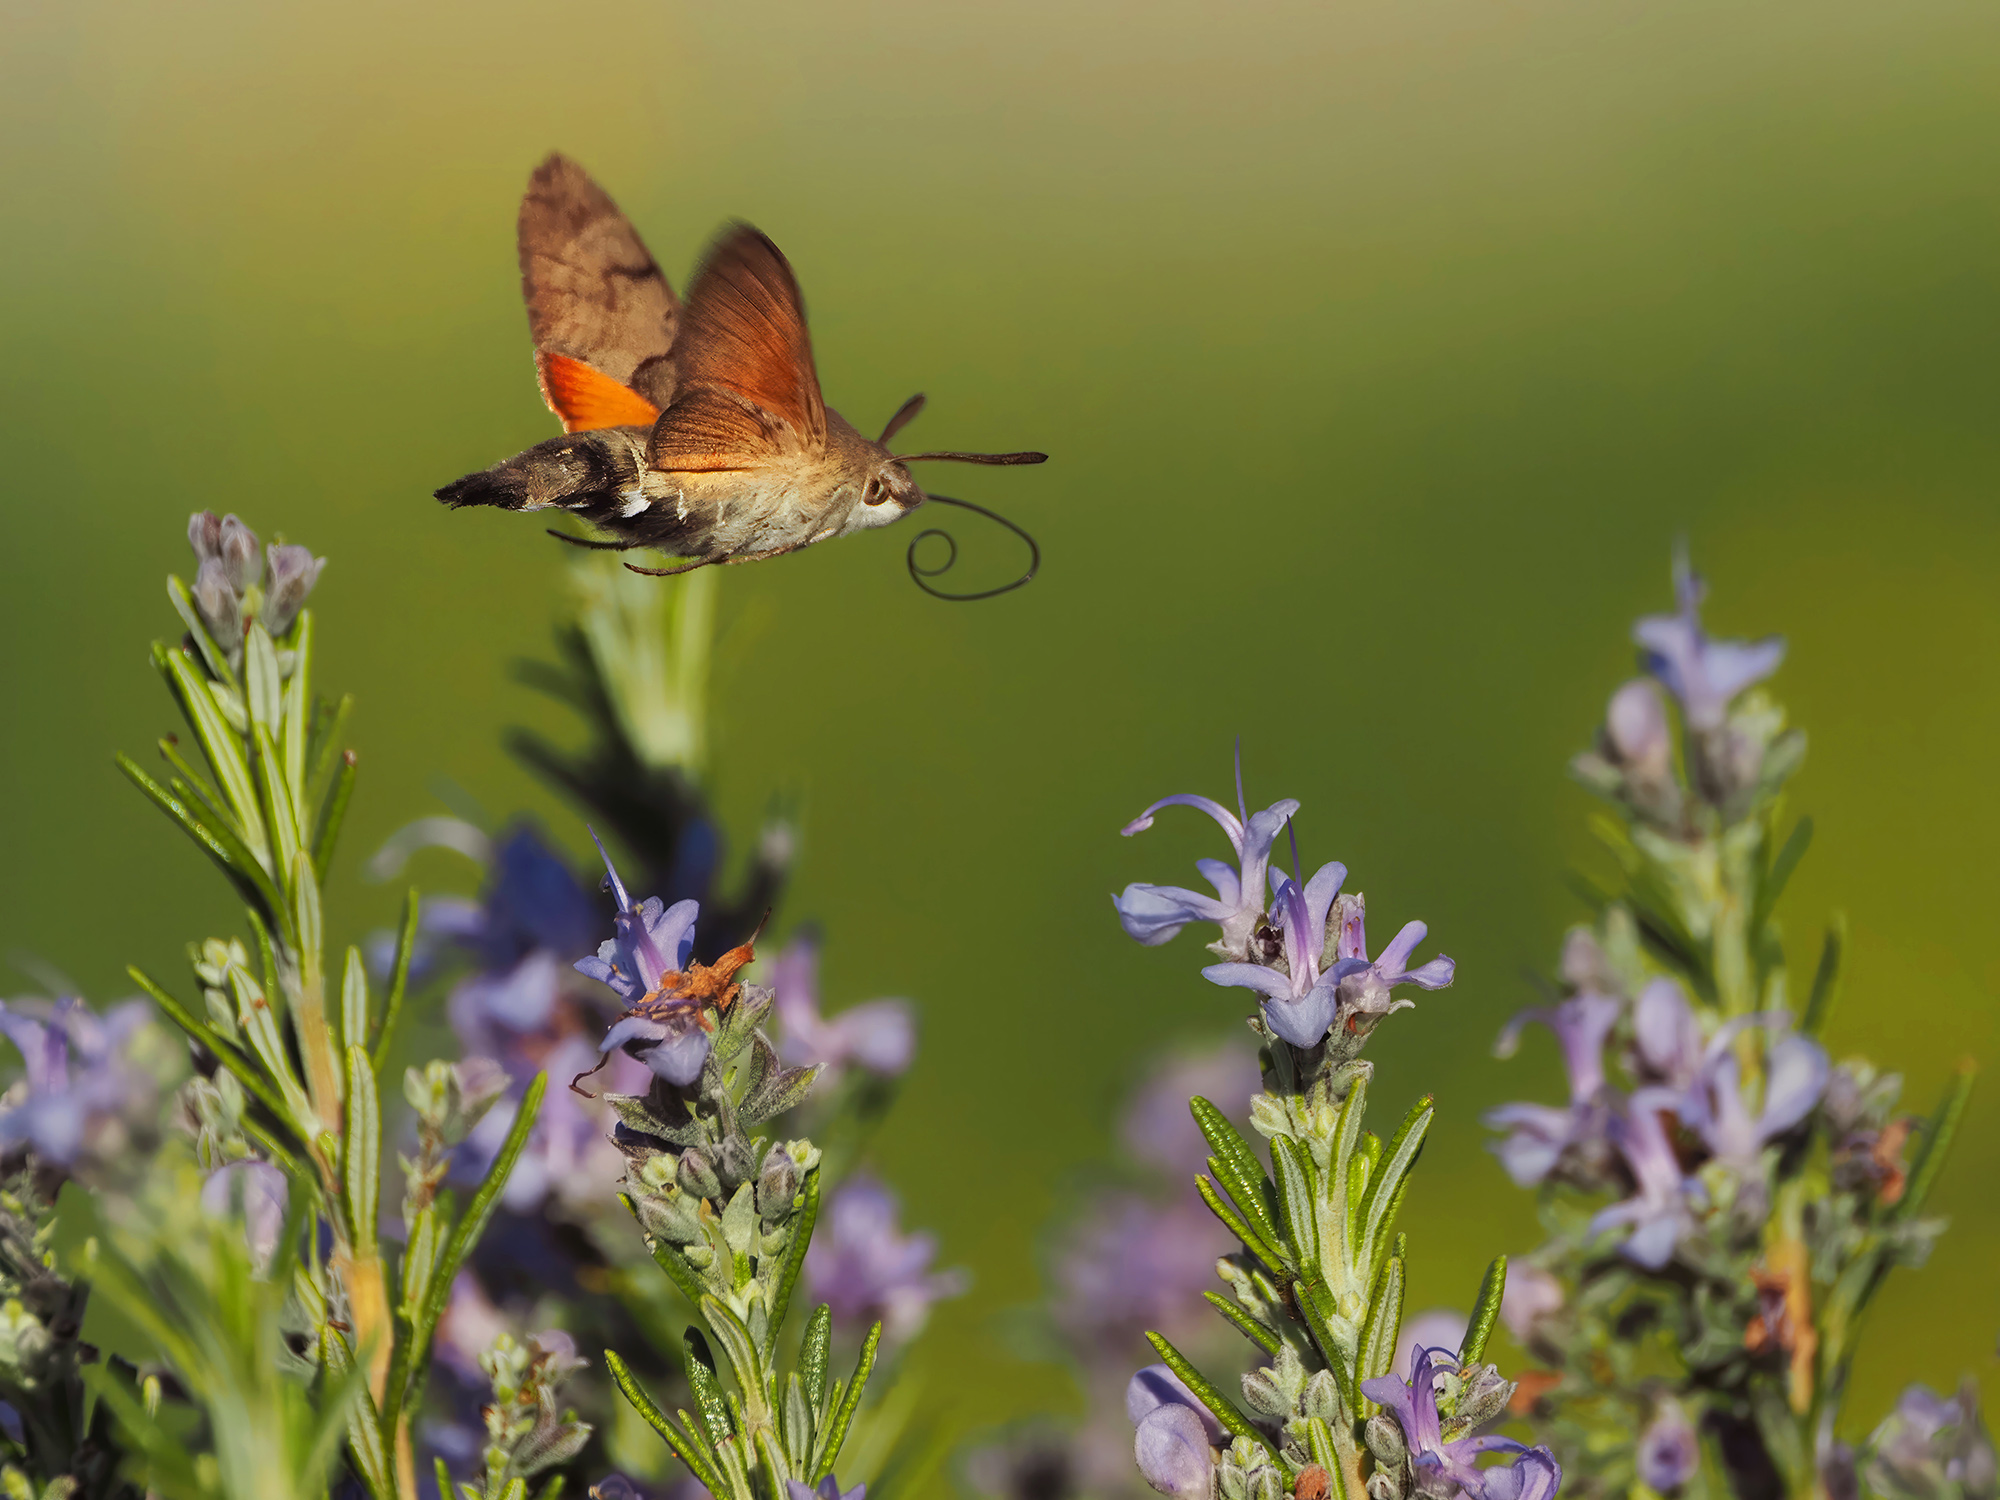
696 428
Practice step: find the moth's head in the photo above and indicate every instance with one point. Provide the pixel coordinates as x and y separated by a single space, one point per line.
888 493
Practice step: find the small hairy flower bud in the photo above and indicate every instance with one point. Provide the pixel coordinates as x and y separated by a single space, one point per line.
1384 1484
1267 1484
220 606
1385 1440
1322 1398
669 1217
1483 1397
293 572
1262 1392
737 1165
697 1176
1233 1483
777 1185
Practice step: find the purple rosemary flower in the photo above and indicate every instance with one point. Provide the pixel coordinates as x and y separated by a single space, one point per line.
879 1036
1704 675
1538 1135
1365 986
1174 1436
650 949
1635 724
1669 1450
1532 1294
1155 913
1443 1467
1131 1265
1667 1035
828 1489
1660 1213
864 1267
1930 1448
78 1087
1299 1004
1795 1070
1157 1127
259 1193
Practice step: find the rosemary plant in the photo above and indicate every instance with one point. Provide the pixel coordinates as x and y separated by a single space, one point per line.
305 1043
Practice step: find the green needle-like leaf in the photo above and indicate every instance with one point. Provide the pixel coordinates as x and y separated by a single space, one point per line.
1264 1338
795 1260
1295 1201
708 1397
246 1074
1219 1406
1826 979
683 1447
1937 1142
225 754
354 1001
245 871
1237 1168
1772 886
813 1352
1378 1334
361 1151
836 1430
399 980
1272 1257
1485 1312
334 813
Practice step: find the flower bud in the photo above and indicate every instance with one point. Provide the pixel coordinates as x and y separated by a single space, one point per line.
236 550
697 1176
777 1185
1669 1451
220 606
1232 1482
1262 1392
205 534
1635 724
669 1217
1385 1440
1267 1484
737 1165
293 572
1384 1484
1322 1398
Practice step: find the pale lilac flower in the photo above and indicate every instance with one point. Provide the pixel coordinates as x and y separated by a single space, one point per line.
291 574
229 544
1667 1034
651 943
1157 1126
258 1193
1174 1435
1365 986
77 1081
1635 722
863 1266
877 1035
1298 1005
1532 1294
827 1489
1538 1135
1930 1448
1669 1451
1440 1467
1155 913
1437 1328
1704 675
470 1326
1131 1265
1659 1213
1795 1069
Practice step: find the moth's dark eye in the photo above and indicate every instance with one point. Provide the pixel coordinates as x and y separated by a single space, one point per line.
872 493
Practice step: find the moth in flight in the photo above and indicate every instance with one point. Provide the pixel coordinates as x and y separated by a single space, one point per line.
696 428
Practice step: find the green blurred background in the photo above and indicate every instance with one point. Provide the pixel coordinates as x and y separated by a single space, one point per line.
1383 350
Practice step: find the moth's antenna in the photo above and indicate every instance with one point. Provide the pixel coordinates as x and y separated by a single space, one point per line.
975 458
905 415
919 574
590 542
